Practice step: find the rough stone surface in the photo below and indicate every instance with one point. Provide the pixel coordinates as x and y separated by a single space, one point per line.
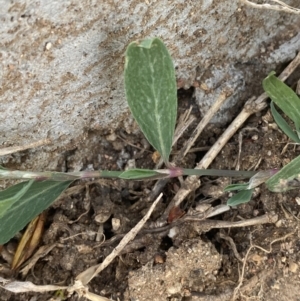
62 61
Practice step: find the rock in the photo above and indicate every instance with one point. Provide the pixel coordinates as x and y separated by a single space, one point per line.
293 267
62 62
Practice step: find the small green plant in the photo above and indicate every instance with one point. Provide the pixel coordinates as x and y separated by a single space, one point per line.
288 101
151 91
288 177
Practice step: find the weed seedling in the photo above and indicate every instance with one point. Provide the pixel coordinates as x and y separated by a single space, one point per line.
151 94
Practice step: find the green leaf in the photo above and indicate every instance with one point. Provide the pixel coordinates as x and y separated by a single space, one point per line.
233 187
151 92
284 126
241 197
284 97
139 174
5 204
20 203
287 178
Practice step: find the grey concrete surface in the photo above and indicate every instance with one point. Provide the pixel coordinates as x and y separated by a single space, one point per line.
62 62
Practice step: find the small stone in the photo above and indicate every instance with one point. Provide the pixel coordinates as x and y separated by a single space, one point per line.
275 286
173 232
115 223
48 45
202 207
255 212
278 224
84 249
273 126
223 40
204 86
293 267
155 157
257 258
130 164
175 289
159 259
111 137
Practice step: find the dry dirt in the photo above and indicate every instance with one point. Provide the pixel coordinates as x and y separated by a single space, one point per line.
197 263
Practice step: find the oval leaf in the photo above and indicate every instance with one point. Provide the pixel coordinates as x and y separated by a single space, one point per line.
233 187
284 97
284 126
139 174
151 92
22 209
241 197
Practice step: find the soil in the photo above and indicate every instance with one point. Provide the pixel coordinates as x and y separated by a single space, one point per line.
188 262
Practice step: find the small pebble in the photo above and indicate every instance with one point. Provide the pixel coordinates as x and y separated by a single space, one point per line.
159 259
223 40
257 258
111 137
293 267
204 86
130 164
275 286
48 45
115 223
273 126
255 212
173 232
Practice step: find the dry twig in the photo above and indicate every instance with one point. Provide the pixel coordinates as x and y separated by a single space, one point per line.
14 149
210 224
86 276
232 245
42 251
280 7
204 121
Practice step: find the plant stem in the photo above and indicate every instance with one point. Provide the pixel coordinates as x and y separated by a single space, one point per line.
57 176
171 172
97 174
218 173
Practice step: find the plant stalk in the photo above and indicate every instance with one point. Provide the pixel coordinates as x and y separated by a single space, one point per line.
57 176
169 173
219 173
